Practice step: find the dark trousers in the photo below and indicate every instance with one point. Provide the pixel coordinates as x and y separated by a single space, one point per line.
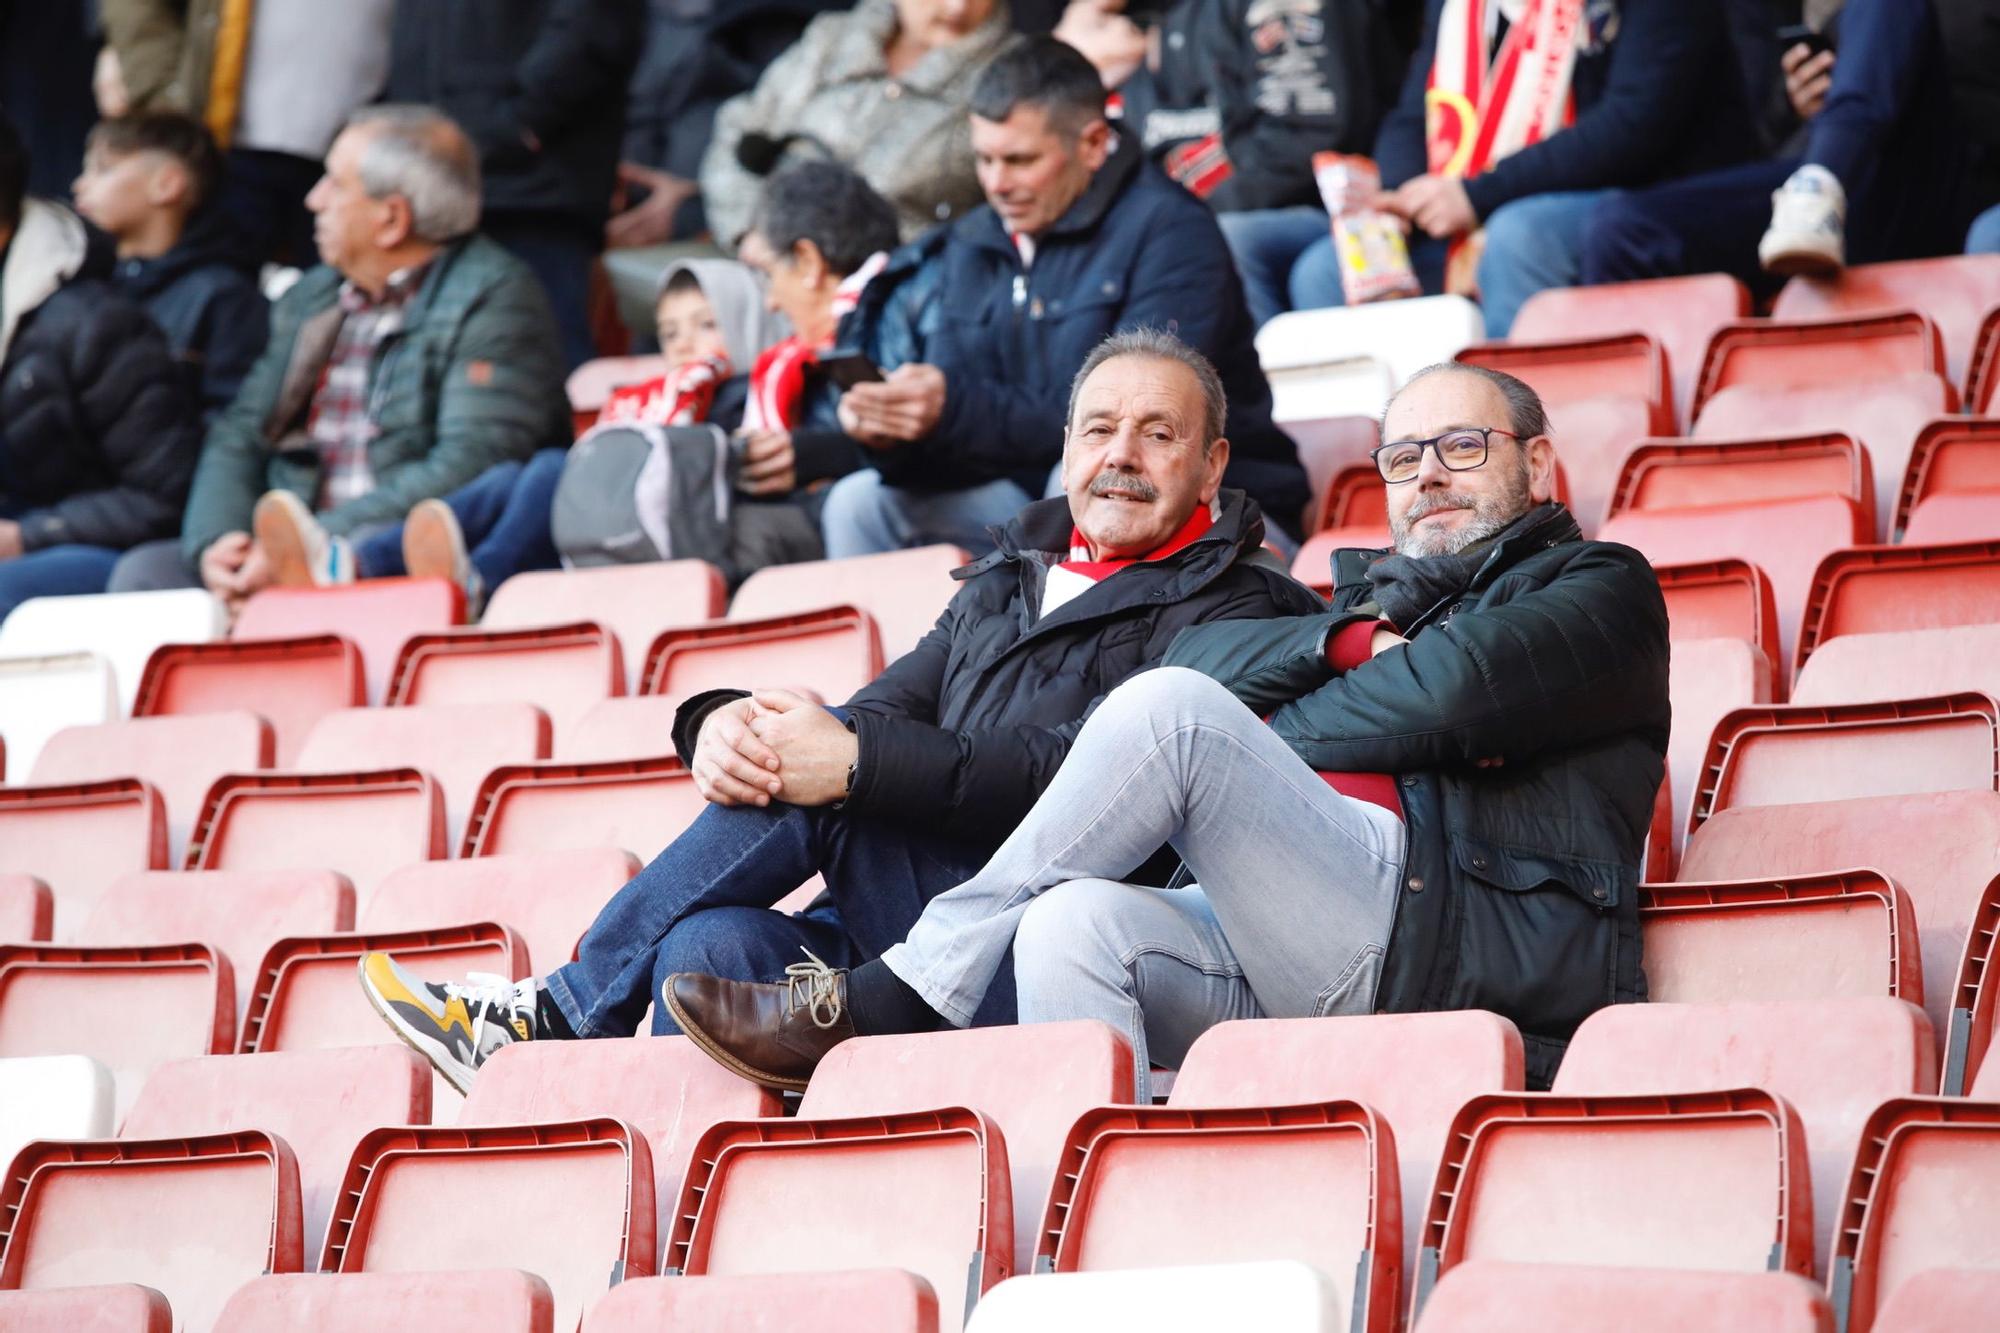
263 195
1888 131
560 251
504 514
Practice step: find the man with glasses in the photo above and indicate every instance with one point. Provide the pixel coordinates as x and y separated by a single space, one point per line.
1434 796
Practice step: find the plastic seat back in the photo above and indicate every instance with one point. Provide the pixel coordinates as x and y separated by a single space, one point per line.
640 805
1720 599
53 1097
1311 356
1845 933
124 1308
1580 366
637 603
27 909
1940 1300
1982 377
123 627
1707 679
663 1087
591 384
78 840
1485 1296
1869 668
1833 1061
192 1218
924 1191
39 696
319 1102
1033 1081
549 897
637 726
1955 517
1328 446
1809 353
375 615
1951 456
1368 1059
1879 589
291 683
1686 474
180 756
458 744
486 1301
1953 291
1592 437
571 1202
561 669
830 654
1279 1296
362 825
905 591
865 1300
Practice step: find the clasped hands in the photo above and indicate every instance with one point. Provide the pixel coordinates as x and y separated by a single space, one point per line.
774 745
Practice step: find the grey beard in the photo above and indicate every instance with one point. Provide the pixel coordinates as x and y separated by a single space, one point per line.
1490 514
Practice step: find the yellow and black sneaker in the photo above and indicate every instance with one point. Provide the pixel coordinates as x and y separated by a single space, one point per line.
453 1025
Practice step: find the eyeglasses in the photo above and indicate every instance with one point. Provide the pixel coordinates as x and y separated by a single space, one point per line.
1460 450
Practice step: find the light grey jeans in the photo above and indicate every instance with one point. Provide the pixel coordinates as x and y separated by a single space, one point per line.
864 516
1297 883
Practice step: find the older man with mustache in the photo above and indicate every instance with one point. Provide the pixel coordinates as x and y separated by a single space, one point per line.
1433 797
907 790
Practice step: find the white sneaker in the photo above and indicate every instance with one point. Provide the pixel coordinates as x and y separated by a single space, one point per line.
1808 218
434 548
455 1026
302 553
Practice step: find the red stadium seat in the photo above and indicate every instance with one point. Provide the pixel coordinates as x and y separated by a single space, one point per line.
1942 848
291 683
120 1309
562 669
905 591
1940 1300
1843 933
640 805
924 1191
1592 437
319 1102
1885 415
631 727
1033 1081
549 897
1150 1187
1834 752
591 384
485 1301
1706 680
1953 291
1951 456
1982 377
27 910
1683 313
1720 599
1858 668
1833 1061
1688 474
192 1218
663 1087
1488 1297
1975 1003
1707 1181
1877 589
569 1201
180 756
1924 1194
866 1300
1328 446
375 615
635 602
1959 516
458 744
1368 1059
1576 367
360 824
831 653
79 840
1810 353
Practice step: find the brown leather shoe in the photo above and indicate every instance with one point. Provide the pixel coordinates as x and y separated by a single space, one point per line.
774 1034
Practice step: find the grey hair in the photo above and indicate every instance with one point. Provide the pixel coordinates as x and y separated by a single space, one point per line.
421 154
1159 345
1526 417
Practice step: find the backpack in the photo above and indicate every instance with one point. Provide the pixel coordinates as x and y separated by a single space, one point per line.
633 492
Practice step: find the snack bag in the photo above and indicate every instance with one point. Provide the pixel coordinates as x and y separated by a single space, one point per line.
1374 262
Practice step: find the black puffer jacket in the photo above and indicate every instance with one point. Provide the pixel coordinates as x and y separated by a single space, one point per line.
964 731
99 430
203 294
1520 879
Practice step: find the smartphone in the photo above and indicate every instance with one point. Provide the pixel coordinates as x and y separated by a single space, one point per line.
1796 34
848 369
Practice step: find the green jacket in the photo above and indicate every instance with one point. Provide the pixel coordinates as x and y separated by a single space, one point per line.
474 378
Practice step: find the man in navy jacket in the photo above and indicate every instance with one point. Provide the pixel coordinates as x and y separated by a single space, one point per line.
1081 237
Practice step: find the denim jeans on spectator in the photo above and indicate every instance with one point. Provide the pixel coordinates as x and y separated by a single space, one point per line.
54 571
504 514
1532 244
1315 279
1297 894
1984 237
1266 244
865 516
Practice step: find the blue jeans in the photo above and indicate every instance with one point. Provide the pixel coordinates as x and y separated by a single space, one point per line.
54 571
879 874
1266 245
504 513
1315 278
864 515
1984 238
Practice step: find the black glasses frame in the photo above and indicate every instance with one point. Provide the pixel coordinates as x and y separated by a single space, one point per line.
1485 434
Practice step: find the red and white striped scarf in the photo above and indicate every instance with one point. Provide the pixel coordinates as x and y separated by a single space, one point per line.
778 380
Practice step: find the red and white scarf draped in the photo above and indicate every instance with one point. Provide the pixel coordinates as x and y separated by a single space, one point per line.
778 381
1075 576
1477 111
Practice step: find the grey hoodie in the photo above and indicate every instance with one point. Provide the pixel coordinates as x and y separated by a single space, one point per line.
736 294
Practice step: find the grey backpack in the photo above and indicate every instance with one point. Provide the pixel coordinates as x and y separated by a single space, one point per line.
630 493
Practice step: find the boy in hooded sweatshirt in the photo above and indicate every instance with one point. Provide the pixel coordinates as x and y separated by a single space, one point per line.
147 180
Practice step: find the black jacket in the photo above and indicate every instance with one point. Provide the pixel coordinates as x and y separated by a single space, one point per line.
538 84
1520 883
1277 82
98 429
1657 97
963 732
1136 250
203 294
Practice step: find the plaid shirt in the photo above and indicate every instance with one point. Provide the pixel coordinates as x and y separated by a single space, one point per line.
341 419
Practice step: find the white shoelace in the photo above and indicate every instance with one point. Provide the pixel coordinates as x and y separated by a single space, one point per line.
489 991
812 989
